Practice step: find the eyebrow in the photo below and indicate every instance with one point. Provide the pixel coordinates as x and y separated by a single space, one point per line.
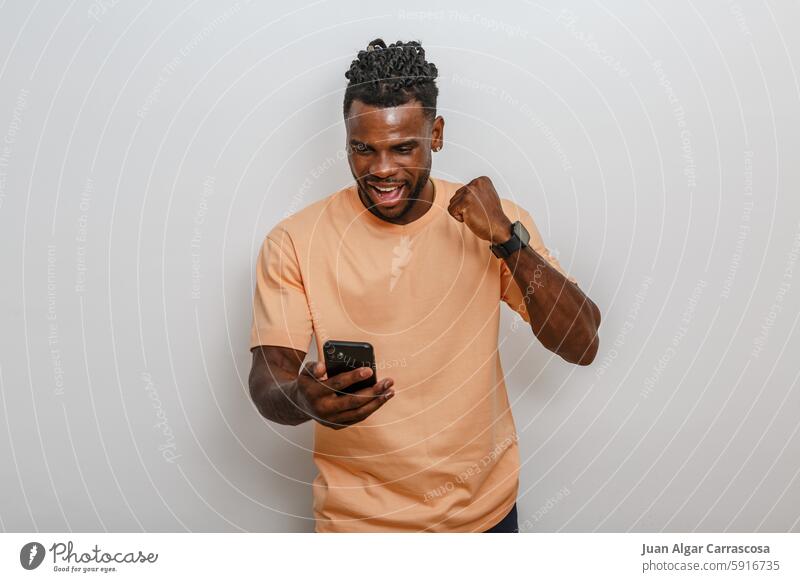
407 143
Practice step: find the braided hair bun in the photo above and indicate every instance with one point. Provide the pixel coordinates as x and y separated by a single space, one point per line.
392 75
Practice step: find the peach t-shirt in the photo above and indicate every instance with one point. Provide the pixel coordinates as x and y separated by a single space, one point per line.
442 454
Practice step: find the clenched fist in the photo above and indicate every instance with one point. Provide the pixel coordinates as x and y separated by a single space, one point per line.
477 205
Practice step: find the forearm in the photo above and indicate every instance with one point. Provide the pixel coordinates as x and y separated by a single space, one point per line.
561 316
273 388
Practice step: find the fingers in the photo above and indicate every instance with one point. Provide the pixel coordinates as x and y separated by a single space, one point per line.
361 397
454 208
326 406
345 379
460 201
356 415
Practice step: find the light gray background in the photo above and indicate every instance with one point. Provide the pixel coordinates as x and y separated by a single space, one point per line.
148 147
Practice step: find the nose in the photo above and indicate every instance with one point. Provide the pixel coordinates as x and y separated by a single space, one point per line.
383 166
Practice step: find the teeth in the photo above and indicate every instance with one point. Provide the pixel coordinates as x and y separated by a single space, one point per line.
385 189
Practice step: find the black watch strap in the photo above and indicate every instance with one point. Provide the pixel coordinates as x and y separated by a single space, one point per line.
512 245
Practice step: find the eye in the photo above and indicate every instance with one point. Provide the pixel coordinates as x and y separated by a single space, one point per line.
360 148
405 150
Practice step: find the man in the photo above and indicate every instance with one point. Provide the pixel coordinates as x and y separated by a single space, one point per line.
416 266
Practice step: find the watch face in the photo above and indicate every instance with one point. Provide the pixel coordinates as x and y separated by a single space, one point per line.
521 232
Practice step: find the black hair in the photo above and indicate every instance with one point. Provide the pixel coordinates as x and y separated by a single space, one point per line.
390 76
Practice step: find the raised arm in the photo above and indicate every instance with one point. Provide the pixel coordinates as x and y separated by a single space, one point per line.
564 319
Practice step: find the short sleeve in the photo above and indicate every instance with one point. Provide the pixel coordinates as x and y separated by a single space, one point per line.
510 291
281 316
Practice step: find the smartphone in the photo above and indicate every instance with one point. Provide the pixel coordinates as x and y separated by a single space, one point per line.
342 356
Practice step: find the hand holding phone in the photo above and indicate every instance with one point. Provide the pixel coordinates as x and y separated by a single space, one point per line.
341 399
342 356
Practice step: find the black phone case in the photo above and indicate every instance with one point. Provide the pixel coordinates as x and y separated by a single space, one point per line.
342 356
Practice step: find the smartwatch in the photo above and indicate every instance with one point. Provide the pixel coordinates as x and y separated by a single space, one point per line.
519 239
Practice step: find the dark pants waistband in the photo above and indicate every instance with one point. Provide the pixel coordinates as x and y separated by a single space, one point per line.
508 524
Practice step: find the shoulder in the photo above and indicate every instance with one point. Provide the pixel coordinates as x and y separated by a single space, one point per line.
445 188
515 211
297 225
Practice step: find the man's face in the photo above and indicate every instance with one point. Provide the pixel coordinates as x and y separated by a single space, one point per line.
389 150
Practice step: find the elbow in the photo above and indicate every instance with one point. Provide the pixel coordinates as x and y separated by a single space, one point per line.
590 353
255 397
258 392
582 357
269 400
583 348
596 313
581 343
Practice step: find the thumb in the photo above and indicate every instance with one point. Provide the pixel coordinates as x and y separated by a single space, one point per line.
315 369
456 213
318 369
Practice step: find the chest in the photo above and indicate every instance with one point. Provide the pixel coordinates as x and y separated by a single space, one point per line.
387 283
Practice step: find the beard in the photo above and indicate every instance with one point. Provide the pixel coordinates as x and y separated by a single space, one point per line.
413 198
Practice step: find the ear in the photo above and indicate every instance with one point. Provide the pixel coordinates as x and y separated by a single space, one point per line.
437 133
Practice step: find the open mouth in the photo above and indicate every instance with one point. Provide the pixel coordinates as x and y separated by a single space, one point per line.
387 194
